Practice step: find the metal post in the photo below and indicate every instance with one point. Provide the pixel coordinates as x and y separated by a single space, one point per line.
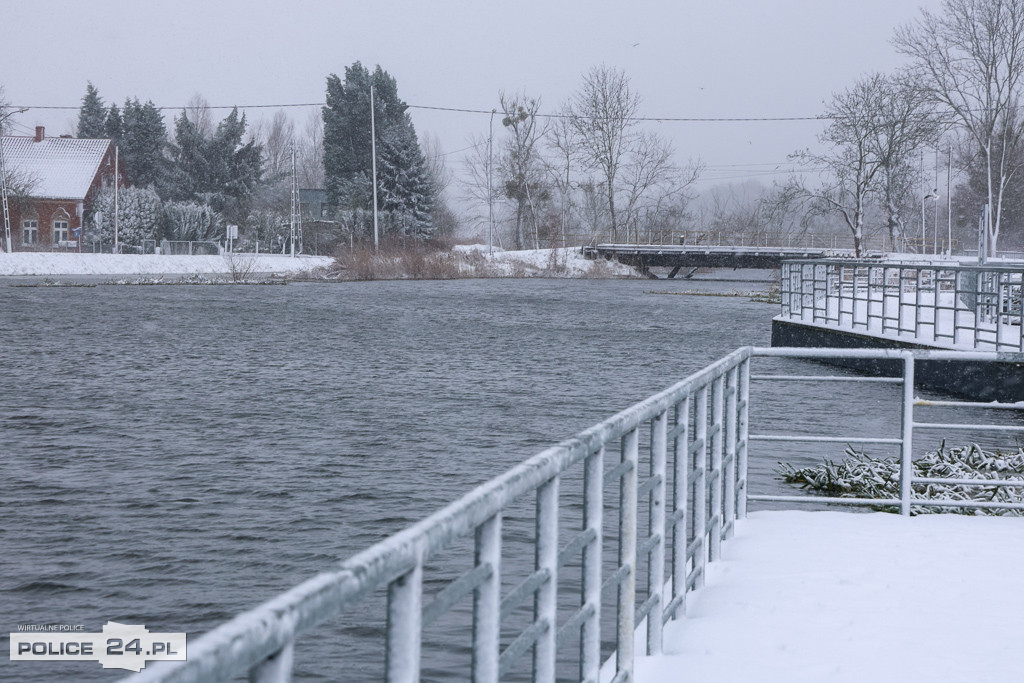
117 193
490 198
680 501
627 557
275 669
656 528
732 392
487 602
906 449
373 154
717 391
405 616
593 516
744 433
545 601
700 484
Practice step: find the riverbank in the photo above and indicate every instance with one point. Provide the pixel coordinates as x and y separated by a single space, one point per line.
48 264
463 261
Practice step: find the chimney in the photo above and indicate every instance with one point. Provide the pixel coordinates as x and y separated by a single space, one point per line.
40 133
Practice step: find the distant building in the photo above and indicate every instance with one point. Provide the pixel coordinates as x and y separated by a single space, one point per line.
60 178
313 204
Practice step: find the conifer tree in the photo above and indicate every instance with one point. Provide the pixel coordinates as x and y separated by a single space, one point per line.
112 124
403 181
92 115
143 137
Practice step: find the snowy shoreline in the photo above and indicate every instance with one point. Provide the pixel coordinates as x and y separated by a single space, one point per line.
531 263
20 264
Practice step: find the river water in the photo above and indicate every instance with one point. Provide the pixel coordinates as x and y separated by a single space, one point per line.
173 455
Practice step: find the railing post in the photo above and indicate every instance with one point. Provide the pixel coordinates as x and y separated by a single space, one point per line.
545 601
593 518
275 669
405 617
656 528
700 483
718 425
626 618
487 602
730 451
680 503
744 434
906 450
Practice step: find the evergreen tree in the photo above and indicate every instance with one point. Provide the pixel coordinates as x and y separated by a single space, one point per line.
112 124
92 115
190 174
404 188
222 171
143 137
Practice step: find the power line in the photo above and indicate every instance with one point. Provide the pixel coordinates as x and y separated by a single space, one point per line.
664 119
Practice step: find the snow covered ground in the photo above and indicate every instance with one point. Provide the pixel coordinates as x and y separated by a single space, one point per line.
530 263
833 596
56 264
567 262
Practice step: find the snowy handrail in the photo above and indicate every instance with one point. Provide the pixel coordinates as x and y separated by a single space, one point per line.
945 304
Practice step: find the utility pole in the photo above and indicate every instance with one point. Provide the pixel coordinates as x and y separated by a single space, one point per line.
490 198
8 245
373 152
296 213
117 193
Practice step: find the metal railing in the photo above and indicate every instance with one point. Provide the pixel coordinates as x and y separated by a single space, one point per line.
681 475
904 440
945 304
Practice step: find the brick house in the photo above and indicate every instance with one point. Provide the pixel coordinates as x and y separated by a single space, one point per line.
61 177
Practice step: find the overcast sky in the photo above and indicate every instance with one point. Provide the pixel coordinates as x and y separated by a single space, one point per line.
687 59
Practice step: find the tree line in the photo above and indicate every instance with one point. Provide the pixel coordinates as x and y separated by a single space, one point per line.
960 94
189 183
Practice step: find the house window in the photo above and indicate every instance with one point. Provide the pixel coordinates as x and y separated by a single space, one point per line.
29 232
60 231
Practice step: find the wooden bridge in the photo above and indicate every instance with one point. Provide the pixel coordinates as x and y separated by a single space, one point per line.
676 257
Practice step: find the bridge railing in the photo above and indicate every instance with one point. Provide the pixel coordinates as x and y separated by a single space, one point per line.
679 461
944 303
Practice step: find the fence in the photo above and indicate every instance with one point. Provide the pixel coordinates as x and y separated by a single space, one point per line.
681 468
948 304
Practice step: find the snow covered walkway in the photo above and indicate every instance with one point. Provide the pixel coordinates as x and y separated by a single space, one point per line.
834 596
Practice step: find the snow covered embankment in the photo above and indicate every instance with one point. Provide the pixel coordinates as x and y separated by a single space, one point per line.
41 263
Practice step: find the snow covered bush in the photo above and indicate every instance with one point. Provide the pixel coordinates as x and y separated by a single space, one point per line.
138 216
190 221
861 476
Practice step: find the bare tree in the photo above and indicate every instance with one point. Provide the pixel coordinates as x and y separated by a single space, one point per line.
970 60
278 140
443 218
562 142
603 112
905 124
310 150
850 165
519 163
198 112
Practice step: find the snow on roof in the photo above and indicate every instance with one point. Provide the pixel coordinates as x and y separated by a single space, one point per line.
60 168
